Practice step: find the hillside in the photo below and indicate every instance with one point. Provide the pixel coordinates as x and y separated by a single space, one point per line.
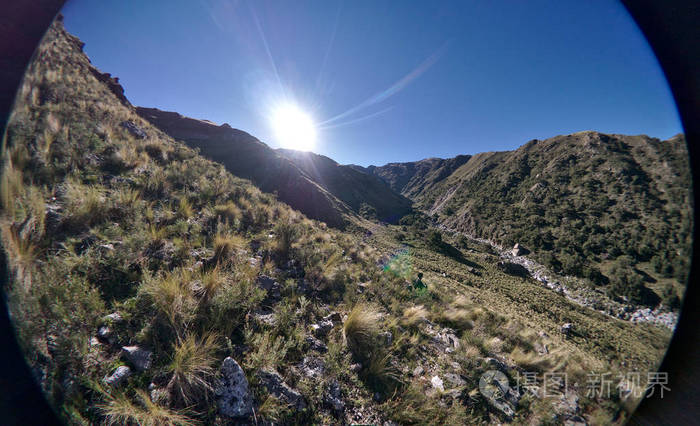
364 193
315 185
149 285
614 209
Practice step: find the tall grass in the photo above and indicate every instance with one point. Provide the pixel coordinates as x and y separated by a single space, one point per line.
172 296
192 367
119 409
361 330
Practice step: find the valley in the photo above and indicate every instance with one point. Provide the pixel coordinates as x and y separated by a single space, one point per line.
169 270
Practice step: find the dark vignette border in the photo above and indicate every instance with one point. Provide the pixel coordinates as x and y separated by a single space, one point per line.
670 28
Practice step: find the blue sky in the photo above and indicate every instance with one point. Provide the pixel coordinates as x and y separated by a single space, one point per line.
387 80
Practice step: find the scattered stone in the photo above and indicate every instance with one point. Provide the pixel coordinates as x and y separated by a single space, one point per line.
275 386
437 383
417 371
158 395
455 379
519 250
496 364
265 317
312 367
333 317
333 397
114 318
315 344
134 129
567 328
233 397
140 358
322 328
387 337
355 368
118 377
106 335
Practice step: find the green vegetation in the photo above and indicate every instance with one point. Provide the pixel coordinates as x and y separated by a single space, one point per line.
578 202
97 221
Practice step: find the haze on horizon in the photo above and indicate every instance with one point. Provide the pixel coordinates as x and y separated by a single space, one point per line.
386 81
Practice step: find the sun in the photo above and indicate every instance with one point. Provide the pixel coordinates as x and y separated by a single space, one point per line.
294 128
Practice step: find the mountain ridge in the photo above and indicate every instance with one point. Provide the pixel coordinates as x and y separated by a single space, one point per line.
311 183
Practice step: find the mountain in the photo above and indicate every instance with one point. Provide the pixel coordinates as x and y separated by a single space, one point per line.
149 285
410 179
578 201
315 185
361 191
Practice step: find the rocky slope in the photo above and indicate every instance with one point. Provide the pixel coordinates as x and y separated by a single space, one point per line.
315 185
587 204
149 285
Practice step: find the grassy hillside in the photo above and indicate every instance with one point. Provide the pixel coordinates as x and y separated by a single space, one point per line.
124 242
315 185
603 207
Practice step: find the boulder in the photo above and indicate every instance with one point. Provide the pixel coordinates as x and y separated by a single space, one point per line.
132 128
417 371
233 398
118 376
139 357
275 386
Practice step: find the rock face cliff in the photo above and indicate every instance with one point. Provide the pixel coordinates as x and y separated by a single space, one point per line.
313 184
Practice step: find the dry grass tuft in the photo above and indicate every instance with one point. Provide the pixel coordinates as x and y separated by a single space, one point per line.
192 368
414 315
361 329
120 410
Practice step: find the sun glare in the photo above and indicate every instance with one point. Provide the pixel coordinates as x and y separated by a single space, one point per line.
294 129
